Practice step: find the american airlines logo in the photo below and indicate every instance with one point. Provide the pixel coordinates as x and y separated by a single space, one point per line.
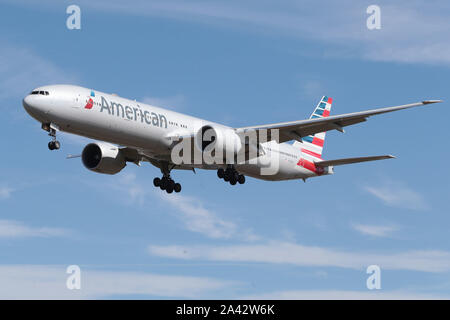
90 102
134 113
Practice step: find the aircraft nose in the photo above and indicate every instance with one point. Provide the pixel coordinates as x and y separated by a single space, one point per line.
26 102
32 105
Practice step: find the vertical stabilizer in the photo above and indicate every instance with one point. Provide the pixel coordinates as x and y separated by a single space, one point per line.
312 145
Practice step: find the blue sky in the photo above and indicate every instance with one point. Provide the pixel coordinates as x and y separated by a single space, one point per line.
241 63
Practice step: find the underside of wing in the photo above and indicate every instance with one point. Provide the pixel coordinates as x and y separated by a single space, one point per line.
137 155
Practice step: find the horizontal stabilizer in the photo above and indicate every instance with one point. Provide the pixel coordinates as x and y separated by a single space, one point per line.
339 162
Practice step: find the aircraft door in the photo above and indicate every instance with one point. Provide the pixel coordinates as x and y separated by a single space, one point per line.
77 101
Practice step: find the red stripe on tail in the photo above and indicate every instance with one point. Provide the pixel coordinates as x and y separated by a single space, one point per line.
312 153
318 142
311 166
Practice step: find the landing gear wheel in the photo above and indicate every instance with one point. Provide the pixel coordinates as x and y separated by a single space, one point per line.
177 187
157 182
231 175
163 184
170 185
54 145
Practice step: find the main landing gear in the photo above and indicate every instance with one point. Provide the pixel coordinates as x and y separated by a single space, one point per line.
167 183
54 144
231 175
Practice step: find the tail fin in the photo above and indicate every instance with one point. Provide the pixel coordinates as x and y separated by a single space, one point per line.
312 145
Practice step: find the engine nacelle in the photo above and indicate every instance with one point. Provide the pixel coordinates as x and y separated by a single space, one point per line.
220 139
103 158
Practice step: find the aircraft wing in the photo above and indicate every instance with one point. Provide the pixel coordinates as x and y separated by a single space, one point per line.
138 155
295 130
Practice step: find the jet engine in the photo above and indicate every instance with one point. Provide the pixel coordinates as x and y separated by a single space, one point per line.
103 158
209 138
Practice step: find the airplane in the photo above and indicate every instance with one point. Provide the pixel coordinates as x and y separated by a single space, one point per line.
130 131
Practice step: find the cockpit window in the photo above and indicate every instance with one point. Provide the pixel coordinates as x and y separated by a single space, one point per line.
44 93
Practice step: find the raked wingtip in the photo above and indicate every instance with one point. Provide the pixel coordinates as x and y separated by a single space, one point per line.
432 101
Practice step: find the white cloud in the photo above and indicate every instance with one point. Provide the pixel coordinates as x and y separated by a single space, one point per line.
16 229
411 32
312 88
374 230
174 102
5 192
343 295
137 192
49 282
397 194
21 70
300 255
190 211
74 139
198 219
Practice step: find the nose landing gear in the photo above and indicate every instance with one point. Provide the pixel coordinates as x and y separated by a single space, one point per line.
231 175
54 144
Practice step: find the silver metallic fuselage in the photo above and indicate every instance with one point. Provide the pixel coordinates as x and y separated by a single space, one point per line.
141 126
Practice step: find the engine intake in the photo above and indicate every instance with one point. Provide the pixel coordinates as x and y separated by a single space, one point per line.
103 158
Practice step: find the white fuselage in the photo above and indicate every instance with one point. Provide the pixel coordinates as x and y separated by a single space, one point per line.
125 122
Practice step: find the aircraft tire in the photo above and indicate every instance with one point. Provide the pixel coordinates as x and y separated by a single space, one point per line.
164 183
